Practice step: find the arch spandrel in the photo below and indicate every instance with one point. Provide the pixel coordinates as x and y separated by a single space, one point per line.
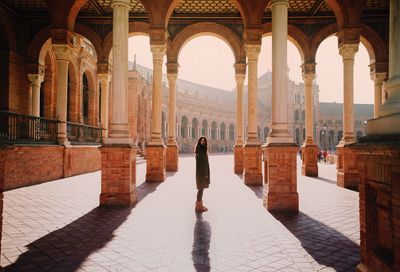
205 28
7 28
93 38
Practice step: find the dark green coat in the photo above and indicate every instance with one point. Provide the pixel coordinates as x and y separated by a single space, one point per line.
202 169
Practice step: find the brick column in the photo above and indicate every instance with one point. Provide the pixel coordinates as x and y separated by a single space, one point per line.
118 154
240 69
156 163
309 149
347 175
280 191
34 103
252 167
63 53
172 158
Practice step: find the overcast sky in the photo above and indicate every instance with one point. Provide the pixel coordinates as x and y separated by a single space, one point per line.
209 60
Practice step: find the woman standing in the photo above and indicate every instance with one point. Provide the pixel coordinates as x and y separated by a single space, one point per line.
202 172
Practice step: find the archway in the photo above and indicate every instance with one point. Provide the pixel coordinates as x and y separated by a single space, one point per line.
231 132
195 128
214 128
204 128
184 127
222 131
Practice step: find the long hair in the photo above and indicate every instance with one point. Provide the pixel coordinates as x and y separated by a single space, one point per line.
203 147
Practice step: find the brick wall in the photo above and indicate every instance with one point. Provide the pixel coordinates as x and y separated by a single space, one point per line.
29 165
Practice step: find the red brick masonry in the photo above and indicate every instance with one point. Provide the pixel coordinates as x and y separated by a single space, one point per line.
29 165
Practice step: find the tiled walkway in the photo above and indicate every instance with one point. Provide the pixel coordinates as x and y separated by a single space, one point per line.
57 226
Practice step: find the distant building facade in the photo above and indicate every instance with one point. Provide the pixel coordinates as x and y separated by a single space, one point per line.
208 111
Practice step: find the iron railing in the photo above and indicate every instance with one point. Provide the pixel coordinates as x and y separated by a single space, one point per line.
83 134
25 129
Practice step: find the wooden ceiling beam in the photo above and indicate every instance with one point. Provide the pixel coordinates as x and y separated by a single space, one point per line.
316 7
97 7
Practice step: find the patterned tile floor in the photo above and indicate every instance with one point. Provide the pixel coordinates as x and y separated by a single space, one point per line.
57 226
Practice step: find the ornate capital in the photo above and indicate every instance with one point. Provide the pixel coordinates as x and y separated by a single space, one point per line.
240 67
103 68
158 52
158 36
308 71
124 3
104 78
172 68
172 77
308 78
253 36
35 79
252 51
62 51
378 78
348 51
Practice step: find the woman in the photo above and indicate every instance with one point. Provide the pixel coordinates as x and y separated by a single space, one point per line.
202 172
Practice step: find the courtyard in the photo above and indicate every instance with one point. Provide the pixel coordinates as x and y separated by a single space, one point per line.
58 226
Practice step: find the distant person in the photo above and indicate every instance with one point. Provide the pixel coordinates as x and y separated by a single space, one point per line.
202 172
325 154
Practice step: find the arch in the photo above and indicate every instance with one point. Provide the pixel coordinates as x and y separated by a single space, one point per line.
222 131
184 127
297 37
47 88
135 28
89 117
231 132
251 11
73 94
204 127
73 13
94 39
214 127
205 28
303 116
320 36
36 45
195 128
331 139
296 115
374 44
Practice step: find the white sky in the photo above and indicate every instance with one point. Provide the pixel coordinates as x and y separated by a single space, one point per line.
209 60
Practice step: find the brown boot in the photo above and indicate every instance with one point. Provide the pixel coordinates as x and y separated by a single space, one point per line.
199 207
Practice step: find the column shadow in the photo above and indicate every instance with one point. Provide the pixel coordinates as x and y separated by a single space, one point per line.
65 249
325 244
201 244
258 190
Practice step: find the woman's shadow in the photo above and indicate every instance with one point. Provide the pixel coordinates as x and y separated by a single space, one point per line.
201 244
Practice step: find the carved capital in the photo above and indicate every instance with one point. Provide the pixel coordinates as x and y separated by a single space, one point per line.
172 77
104 68
253 36
172 68
378 78
240 67
158 36
62 51
158 52
252 51
308 71
104 79
348 51
308 78
36 79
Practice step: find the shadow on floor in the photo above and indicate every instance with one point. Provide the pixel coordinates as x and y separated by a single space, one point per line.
201 244
325 244
258 190
325 180
66 248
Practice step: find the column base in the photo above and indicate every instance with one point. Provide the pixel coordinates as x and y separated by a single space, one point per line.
155 166
118 175
378 163
172 158
347 174
238 157
252 167
280 193
309 166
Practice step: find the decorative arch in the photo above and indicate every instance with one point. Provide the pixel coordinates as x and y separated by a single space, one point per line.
320 36
73 95
297 37
93 38
223 131
205 28
36 45
231 132
374 44
73 13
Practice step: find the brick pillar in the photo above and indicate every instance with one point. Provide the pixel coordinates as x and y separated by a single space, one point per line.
280 193
347 172
118 175
378 162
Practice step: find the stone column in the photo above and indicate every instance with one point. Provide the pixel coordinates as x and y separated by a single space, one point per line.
347 175
118 154
156 163
172 158
62 54
240 69
36 80
309 148
280 191
378 79
104 80
252 166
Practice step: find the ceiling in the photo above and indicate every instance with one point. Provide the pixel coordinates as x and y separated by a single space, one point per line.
192 8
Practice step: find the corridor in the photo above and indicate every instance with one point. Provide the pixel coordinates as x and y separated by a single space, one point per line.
57 226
